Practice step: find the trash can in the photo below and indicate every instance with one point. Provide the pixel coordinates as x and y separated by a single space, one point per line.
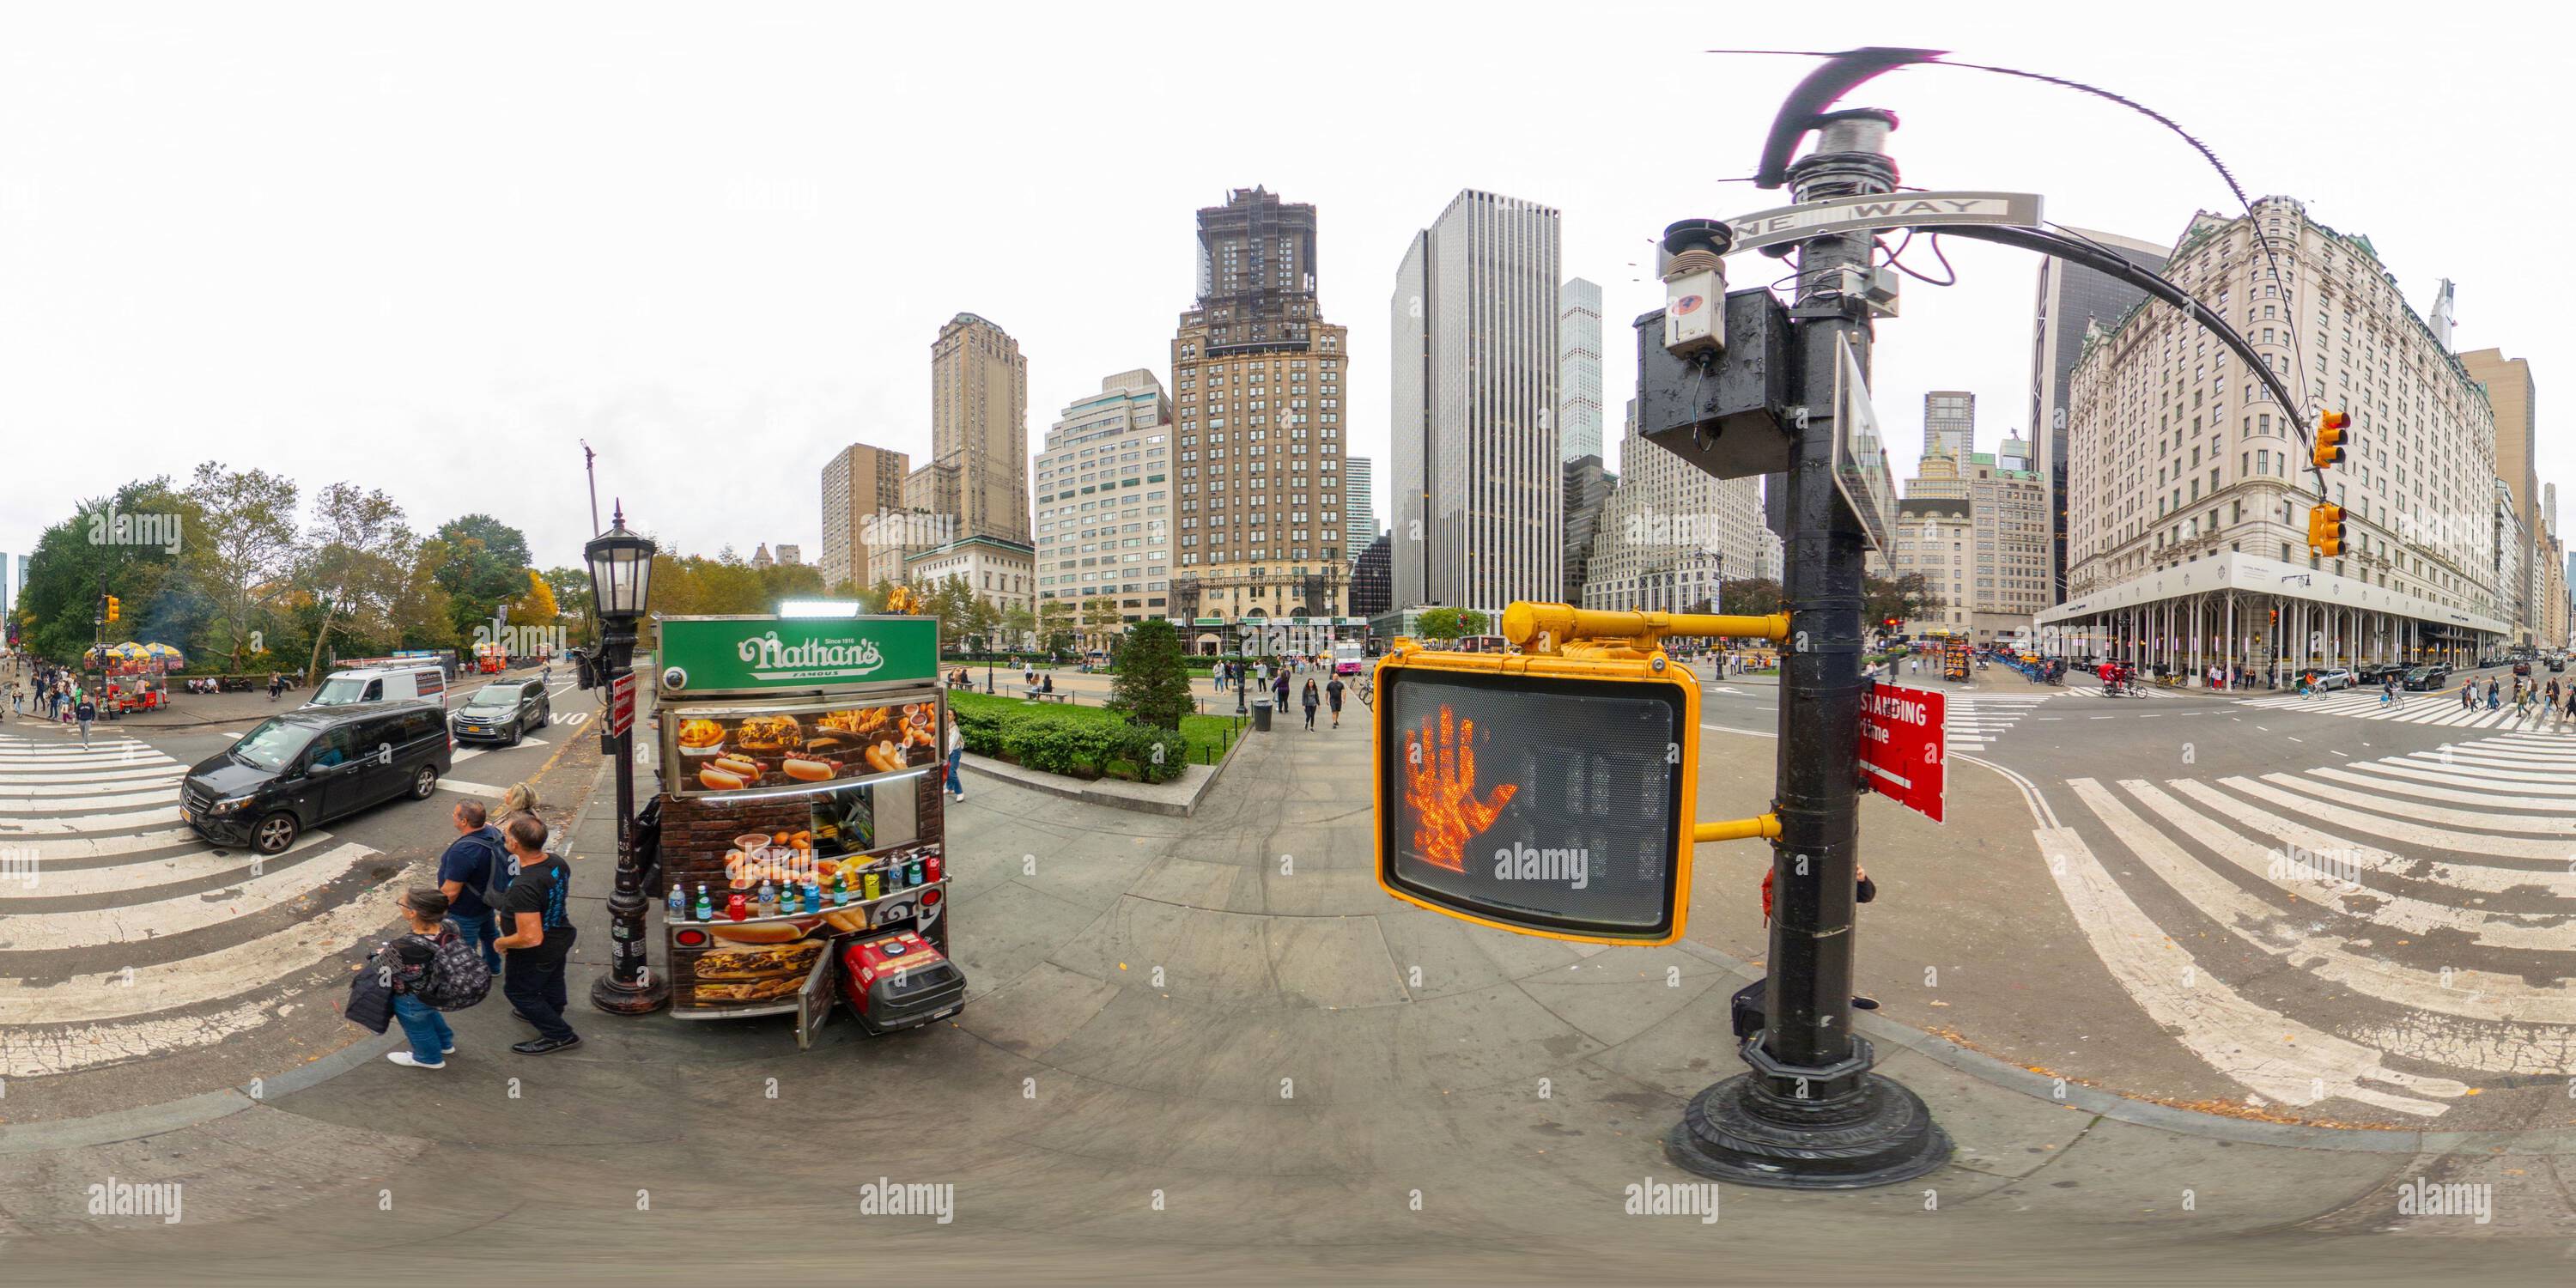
1261 715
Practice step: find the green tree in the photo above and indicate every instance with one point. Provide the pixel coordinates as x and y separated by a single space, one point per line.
983 622
1751 597
479 560
1017 624
1152 687
1472 621
1440 624
572 595
1100 621
1907 598
243 551
91 553
354 566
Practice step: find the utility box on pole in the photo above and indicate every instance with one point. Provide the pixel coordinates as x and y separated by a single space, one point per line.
1724 413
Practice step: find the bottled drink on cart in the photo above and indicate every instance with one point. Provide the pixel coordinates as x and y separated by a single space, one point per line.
735 907
873 884
916 874
813 892
787 900
706 911
679 903
930 868
768 897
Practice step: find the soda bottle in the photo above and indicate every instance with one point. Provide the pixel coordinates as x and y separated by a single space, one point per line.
734 909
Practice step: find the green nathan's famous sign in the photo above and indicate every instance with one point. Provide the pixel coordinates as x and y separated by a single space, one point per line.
728 654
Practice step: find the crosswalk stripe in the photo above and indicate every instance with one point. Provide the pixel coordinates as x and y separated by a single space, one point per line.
13 827
2395 911
2461 768
169 776
39 804
2277 1056
179 914
37 1052
207 977
142 875
2432 813
2408 833
2464 876
97 776
99 847
100 760
2328 957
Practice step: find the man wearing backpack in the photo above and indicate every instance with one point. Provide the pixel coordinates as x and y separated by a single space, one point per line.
472 874
537 916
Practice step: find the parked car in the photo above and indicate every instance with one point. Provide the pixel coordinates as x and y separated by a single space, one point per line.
2333 677
294 772
2376 672
502 713
2557 664
2426 677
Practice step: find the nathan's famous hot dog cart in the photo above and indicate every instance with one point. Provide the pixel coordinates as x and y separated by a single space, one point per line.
801 821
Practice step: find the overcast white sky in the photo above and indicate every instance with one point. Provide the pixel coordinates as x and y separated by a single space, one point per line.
428 249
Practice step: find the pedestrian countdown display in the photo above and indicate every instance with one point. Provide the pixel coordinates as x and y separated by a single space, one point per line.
1538 794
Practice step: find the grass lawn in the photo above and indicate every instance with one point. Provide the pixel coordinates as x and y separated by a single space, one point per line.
1206 733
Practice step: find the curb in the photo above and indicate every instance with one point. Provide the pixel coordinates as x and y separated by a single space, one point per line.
1080 790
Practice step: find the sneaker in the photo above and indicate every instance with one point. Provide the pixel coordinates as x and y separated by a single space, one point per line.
449 1049
408 1061
540 1046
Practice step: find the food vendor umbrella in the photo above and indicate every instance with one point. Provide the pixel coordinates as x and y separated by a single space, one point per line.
127 652
166 653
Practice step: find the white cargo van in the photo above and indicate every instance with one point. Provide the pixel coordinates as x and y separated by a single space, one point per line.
381 684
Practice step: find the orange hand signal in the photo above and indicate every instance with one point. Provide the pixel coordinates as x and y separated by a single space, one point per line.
1440 785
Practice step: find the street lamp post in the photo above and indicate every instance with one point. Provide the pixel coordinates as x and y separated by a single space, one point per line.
621 576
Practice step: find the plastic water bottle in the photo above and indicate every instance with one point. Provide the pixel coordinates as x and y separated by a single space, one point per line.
679 903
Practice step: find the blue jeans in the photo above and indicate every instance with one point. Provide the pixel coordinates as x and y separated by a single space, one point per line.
427 1029
479 931
954 785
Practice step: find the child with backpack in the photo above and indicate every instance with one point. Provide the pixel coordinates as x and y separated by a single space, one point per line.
431 969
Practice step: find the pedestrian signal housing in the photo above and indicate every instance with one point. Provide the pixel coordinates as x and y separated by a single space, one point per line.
1538 794
2332 433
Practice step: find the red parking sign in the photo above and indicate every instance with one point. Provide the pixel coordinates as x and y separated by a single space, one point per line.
1901 745
621 704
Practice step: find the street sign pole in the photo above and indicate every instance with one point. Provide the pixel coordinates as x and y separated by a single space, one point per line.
1810 1114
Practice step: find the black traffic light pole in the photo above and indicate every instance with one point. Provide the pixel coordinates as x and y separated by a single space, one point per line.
1811 1114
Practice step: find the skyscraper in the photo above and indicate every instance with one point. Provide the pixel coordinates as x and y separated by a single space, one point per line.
1257 397
1479 494
2072 300
2516 401
1359 507
1578 372
862 491
1670 533
1104 499
979 430
1949 423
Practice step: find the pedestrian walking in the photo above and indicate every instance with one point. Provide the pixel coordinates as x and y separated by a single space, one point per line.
474 873
956 740
1279 688
85 712
2495 694
1333 695
410 962
538 912
2468 695
1311 700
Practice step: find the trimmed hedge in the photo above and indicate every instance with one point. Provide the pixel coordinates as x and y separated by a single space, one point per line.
1075 742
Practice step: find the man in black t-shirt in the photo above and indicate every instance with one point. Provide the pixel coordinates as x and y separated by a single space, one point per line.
536 911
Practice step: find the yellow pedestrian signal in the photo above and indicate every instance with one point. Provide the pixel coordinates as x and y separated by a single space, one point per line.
2326 530
1545 795
2331 435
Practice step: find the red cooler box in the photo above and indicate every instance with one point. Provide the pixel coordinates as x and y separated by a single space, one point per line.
899 982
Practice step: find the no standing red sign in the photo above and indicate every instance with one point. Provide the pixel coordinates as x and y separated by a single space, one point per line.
1901 746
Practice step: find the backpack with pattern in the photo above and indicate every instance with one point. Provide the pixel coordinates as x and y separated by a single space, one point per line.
457 976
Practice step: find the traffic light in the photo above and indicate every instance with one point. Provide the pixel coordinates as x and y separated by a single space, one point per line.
1542 795
2326 530
2331 433
114 608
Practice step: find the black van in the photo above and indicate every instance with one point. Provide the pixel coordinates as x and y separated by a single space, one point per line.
305 768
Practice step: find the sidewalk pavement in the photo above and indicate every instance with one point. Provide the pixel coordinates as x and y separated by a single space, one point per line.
1216 1039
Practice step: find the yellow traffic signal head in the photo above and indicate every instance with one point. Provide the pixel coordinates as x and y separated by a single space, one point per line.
114 607
2326 530
1543 795
2333 429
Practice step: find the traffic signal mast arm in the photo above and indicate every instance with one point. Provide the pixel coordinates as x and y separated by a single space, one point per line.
1571 632
1624 634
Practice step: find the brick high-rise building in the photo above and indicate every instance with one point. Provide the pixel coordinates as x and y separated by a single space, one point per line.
1257 396
979 430
860 485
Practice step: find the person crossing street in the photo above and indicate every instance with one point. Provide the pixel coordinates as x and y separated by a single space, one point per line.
1333 695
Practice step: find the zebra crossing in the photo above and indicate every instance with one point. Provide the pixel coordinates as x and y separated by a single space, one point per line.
2441 708
1976 720
124 935
2426 897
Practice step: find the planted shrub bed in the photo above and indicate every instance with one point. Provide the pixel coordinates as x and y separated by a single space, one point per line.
1079 742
